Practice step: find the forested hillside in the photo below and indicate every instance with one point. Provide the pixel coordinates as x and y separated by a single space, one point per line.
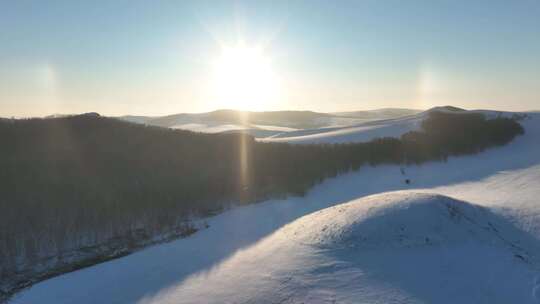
72 183
296 119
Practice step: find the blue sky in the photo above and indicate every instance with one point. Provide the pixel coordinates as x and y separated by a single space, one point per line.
155 57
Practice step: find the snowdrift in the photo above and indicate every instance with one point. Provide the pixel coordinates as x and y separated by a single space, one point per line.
398 247
402 219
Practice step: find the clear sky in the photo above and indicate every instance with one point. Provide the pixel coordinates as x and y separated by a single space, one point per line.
164 57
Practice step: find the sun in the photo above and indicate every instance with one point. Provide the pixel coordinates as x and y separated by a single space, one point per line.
243 79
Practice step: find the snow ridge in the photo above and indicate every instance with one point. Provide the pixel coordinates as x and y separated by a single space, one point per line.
404 219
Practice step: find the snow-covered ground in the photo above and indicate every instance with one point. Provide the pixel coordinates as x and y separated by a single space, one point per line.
258 131
356 133
471 234
206 128
388 248
268 124
364 130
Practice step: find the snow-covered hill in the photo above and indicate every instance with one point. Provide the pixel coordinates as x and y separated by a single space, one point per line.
397 220
389 248
265 124
367 130
384 113
480 215
355 133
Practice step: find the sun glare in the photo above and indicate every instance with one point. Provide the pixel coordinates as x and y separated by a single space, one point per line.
244 79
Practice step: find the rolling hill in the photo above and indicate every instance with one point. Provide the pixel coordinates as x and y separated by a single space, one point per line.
473 219
264 124
403 247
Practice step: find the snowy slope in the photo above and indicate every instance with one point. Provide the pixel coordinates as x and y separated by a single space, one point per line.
356 133
384 113
205 128
266 124
243 256
368 130
397 247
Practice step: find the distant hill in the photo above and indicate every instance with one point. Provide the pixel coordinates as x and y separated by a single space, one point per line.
448 109
385 113
266 121
294 119
136 119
